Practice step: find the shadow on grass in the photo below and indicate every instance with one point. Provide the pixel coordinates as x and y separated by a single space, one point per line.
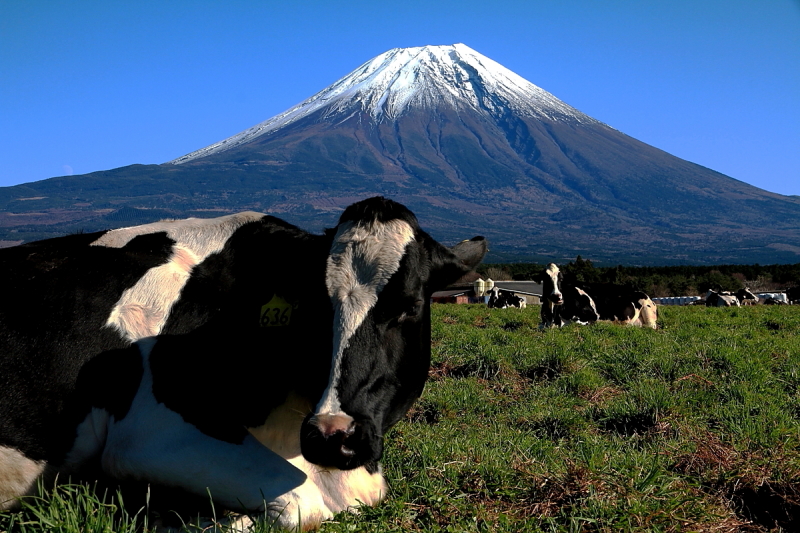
771 505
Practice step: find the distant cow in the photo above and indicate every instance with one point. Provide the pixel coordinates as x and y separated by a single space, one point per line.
622 304
648 312
721 299
578 307
552 297
563 304
746 297
500 299
314 345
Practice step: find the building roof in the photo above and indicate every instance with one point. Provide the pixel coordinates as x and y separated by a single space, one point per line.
450 293
520 287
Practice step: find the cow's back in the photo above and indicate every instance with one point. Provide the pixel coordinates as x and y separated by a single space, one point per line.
57 295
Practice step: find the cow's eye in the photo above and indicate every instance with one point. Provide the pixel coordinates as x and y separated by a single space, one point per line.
412 310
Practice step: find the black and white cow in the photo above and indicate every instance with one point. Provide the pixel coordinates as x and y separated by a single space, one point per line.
283 360
552 296
578 307
501 299
746 297
563 304
721 299
620 304
743 296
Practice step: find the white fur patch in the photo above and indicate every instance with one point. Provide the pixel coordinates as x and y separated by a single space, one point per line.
18 476
154 443
552 272
649 313
203 236
143 309
361 261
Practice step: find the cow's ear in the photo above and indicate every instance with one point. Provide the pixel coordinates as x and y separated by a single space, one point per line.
450 264
471 252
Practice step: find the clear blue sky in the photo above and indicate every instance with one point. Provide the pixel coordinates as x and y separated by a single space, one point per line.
93 85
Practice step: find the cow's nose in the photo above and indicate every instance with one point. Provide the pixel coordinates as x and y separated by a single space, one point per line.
331 424
325 444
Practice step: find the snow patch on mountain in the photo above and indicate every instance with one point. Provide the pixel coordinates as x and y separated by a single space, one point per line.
424 77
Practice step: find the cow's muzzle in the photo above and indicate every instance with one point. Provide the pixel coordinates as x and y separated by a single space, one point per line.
343 447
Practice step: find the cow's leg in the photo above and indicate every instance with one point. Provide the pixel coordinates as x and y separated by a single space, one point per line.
547 314
346 489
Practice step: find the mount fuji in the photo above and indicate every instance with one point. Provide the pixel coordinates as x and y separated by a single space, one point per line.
467 145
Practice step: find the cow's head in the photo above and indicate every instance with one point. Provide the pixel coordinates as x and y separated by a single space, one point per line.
746 294
381 272
551 280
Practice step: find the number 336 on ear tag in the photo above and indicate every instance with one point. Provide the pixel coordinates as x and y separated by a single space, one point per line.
278 312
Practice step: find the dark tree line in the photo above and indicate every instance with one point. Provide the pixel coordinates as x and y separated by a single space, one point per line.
665 281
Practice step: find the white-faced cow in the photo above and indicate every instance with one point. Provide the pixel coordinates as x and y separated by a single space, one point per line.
648 311
563 304
552 296
289 355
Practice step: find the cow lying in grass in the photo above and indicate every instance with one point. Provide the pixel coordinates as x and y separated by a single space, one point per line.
313 345
500 299
571 301
563 304
721 299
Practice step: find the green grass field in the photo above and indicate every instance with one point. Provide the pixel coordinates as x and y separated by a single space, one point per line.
692 427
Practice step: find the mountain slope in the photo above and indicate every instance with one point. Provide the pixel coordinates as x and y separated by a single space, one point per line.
468 145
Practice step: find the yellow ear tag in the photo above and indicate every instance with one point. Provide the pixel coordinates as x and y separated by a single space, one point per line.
278 312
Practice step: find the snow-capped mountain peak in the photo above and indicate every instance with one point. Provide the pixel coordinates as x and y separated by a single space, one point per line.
416 78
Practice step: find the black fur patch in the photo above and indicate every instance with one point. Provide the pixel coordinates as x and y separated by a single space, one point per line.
57 296
229 373
380 209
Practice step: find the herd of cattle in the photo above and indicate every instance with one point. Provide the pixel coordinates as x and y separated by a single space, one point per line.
576 302
746 297
239 355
